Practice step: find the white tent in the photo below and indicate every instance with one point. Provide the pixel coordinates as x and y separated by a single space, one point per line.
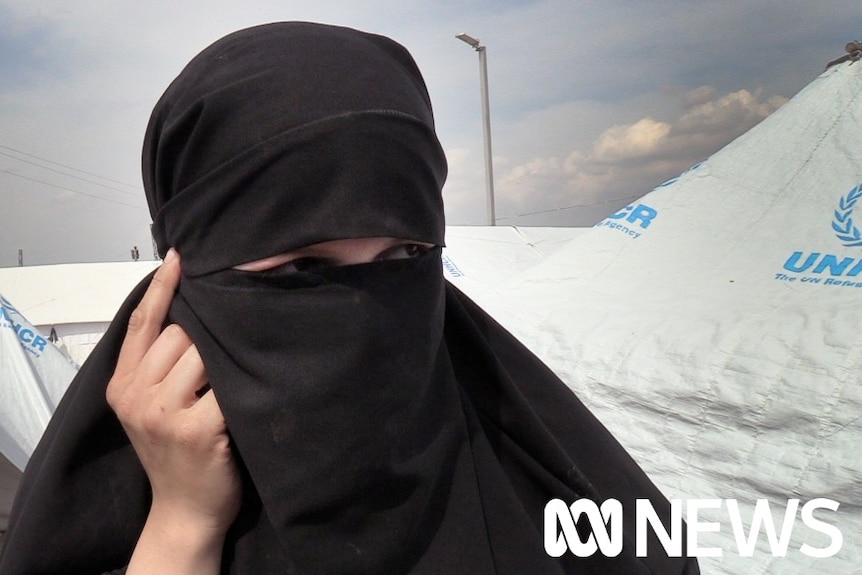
77 301
34 376
714 326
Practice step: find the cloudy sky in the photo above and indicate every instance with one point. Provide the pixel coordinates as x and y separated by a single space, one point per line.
593 103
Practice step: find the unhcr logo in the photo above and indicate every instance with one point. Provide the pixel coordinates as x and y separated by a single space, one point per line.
29 338
830 269
842 223
640 215
450 267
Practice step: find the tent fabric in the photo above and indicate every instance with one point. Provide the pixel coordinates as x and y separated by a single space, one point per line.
77 300
714 326
72 293
34 376
476 257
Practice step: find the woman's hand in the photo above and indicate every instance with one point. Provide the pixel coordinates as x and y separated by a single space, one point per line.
180 438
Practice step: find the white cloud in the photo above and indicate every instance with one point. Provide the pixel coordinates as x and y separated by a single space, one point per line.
629 159
631 141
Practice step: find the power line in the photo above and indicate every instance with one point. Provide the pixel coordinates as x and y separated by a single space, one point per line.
570 207
71 190
67 167
135 194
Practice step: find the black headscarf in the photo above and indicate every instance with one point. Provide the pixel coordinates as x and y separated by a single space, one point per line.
383 422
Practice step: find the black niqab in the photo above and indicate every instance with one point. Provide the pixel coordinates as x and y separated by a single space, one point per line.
383 422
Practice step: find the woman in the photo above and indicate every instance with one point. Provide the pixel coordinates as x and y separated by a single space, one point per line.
342 409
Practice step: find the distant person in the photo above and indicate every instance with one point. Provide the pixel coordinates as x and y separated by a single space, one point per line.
297 389
136 255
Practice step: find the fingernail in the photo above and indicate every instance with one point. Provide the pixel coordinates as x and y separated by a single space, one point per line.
171 255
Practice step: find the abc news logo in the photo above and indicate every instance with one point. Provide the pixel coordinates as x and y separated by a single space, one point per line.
606 525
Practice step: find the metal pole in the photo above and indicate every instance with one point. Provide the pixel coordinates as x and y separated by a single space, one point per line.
486 123
486 126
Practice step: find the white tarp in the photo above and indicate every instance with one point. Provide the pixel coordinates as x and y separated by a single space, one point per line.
33 377
476 257
715 326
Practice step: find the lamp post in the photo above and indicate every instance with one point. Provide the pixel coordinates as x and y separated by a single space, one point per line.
486 122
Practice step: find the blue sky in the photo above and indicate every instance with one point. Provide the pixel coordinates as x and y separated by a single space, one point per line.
592 102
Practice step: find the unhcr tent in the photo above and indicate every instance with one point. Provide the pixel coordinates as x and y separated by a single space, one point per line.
71 304
76 301
715 326
34 376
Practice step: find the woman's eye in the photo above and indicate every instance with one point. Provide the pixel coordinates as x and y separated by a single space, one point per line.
310 263
298 265
403 252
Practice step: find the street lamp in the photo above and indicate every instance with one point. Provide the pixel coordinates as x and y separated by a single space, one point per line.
486 122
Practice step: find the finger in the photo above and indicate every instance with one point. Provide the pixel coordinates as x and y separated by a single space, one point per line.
186 377
146 321
126 394
161 358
